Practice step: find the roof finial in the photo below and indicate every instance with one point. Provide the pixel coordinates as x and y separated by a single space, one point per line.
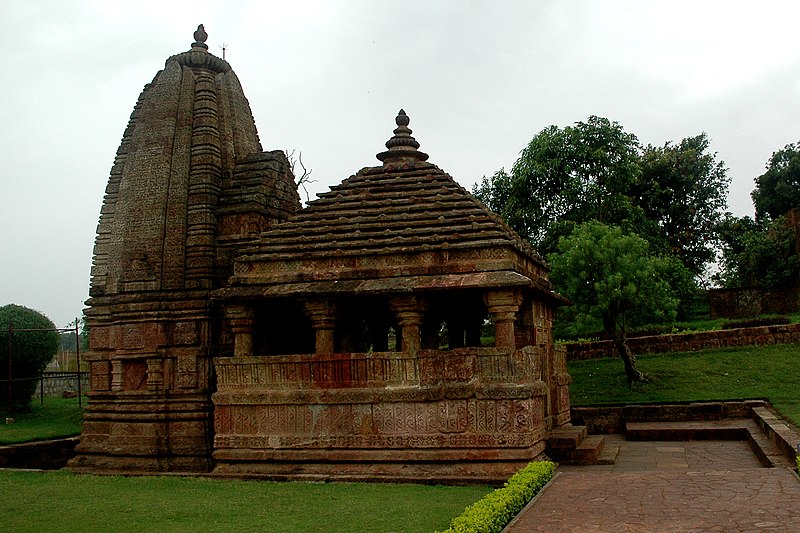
200 37
402 147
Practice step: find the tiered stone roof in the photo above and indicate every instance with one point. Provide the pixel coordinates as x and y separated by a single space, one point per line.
405 225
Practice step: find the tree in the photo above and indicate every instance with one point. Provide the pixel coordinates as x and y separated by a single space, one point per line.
778 189
611 279
756 253
565 177
673 196
683 191
31 350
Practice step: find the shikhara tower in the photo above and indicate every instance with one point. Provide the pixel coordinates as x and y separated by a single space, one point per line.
189 187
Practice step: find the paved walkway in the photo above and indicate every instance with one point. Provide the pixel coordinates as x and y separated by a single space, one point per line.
668 486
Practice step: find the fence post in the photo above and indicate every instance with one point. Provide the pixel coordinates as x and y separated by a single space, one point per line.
10 418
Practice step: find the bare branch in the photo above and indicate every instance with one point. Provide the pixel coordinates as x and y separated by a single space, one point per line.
305 176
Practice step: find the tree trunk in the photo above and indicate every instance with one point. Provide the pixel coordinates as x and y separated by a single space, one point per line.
629 360
618 336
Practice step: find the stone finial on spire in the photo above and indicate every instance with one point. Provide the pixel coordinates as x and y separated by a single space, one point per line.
402 147
200 37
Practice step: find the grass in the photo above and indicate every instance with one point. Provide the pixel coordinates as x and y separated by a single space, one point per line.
61 501
57 417
771 372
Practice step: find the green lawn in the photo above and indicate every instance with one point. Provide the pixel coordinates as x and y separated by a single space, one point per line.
64 502
771 372
57 417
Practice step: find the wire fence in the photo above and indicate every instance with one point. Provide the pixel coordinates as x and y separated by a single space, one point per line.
9 383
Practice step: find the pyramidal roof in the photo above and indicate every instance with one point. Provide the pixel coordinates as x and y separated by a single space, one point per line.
406 218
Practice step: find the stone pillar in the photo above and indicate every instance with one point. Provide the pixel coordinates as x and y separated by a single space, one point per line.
323 319
116 375
503 306
409 311
242 321
155 374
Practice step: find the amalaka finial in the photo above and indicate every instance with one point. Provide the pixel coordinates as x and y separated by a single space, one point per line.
402 147
200 37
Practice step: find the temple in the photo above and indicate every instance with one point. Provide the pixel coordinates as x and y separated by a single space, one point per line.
393 329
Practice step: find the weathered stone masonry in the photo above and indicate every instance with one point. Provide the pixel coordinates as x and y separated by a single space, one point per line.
233 332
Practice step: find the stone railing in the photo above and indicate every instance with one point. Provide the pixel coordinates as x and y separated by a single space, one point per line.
689 342
308 371
377 369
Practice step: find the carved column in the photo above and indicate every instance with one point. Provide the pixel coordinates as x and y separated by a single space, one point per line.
242 321
409 311
155 374
116 375
503 307
323 319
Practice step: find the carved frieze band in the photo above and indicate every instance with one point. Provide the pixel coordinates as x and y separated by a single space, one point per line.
313 425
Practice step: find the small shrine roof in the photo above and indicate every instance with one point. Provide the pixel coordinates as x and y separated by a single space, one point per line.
398 211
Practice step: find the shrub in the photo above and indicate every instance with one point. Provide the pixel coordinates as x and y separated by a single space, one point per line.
491 513
32 350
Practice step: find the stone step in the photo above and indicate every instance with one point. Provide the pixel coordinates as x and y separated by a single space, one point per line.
588 452
686 431
566 438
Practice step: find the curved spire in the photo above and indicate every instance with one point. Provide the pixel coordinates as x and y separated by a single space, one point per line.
200 37
402 147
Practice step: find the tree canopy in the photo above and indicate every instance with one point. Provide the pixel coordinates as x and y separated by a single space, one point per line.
757 253
32 350
778 189
683 191
565 177
613 282
673 196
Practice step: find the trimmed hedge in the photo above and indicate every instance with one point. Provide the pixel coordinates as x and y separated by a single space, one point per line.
494 511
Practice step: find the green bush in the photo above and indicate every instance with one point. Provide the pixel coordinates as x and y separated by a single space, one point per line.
495 510
32 350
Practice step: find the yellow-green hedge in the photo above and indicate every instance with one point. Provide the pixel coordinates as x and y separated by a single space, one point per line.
491 513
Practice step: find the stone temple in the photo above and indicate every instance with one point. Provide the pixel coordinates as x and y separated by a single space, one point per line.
236 334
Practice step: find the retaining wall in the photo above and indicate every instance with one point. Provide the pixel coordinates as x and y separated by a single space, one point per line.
689 342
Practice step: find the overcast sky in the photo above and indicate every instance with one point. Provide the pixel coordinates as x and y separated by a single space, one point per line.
479 79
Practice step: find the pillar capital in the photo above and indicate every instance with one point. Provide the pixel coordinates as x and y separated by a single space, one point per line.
408 309
322 313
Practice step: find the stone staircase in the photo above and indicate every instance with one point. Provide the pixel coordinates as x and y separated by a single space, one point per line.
570 445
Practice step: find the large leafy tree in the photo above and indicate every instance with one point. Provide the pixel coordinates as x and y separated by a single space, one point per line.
34 342
683 191
565 177
612 279
778 189
673 196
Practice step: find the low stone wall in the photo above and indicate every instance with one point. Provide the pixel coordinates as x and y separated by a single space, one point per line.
44 455
689 342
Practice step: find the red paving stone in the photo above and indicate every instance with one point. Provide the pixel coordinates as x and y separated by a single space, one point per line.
668 486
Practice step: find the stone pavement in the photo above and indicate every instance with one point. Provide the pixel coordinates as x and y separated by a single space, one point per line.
668 486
